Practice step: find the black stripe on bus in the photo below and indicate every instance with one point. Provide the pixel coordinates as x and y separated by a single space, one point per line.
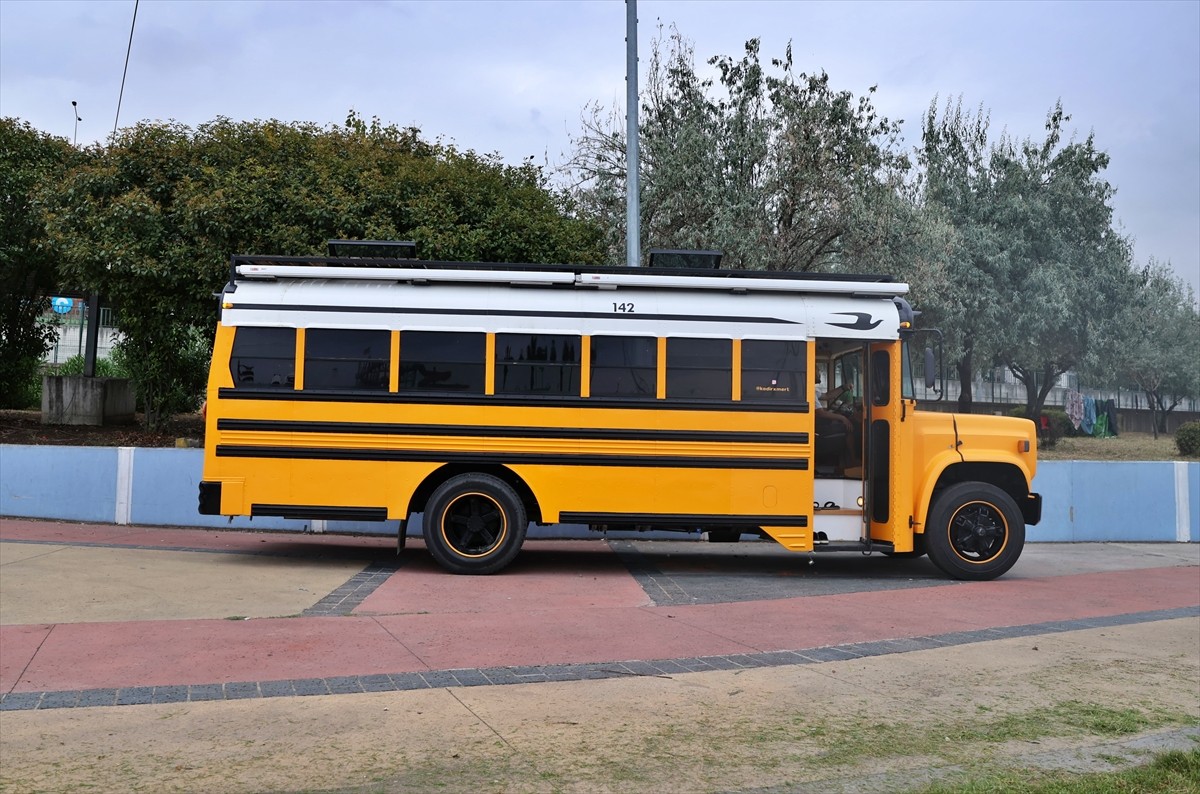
320 512
490 431
510 458
683 520
505 401
690 318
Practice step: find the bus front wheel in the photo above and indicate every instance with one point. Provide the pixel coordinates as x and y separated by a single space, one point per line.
975 531
474 524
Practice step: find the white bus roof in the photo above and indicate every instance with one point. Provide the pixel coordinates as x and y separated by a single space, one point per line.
402 294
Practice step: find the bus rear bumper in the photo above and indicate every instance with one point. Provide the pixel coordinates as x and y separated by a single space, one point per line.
210 498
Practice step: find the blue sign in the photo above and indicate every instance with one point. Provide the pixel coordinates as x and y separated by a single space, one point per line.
62 305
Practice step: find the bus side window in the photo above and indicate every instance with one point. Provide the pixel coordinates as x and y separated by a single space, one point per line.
699 369
263 357
624 366
443 361
774 371
538 364
341 358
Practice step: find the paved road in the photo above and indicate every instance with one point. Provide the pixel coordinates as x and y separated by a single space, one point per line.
98 614
96 620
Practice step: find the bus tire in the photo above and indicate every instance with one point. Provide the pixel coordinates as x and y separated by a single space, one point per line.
975 531
474 524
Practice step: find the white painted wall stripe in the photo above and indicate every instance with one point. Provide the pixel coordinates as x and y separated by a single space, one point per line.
1183 506
124 510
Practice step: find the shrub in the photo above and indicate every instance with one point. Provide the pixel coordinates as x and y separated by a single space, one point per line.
24 389
105 368
1187 439
1059 424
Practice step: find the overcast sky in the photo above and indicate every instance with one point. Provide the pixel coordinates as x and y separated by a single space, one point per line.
513 77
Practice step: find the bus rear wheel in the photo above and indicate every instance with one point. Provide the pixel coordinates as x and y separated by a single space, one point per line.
474 524
975 531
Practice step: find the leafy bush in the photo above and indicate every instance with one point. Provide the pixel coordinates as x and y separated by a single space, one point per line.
105 368
21 384
1059 424
1187 439
169 378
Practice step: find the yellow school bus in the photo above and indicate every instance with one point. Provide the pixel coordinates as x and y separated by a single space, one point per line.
486 397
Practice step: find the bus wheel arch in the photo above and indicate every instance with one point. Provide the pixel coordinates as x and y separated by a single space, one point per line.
975 531
474 523
423 492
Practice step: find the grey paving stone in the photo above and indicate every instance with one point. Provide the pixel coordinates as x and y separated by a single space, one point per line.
59 700
310 686
170 694
344 685
98 697
471 677
831 654
404 682
439 678
240 690
202 692
276 689
377 683
135 695
20 701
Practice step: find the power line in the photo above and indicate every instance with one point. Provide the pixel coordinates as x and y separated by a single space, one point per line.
128 50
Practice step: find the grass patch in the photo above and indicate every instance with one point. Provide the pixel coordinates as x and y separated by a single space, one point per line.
849 743
1127 446
1176 772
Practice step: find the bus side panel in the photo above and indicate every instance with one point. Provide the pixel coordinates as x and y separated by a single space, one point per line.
642 493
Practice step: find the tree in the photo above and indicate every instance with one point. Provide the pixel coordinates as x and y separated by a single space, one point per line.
957 184
1060 259
1159 345
151 221
775 168
28 269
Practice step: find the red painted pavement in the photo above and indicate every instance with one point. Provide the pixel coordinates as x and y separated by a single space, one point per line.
545 612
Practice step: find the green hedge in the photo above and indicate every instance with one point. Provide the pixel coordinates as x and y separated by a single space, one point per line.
1187 439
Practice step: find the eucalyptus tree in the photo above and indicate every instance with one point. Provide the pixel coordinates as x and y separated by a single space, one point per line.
1062 266
1158 345
773 166
957 184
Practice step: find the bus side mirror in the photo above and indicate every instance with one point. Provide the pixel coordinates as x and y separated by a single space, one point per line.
930 368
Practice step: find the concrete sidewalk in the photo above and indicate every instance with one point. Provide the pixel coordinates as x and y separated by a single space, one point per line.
112 631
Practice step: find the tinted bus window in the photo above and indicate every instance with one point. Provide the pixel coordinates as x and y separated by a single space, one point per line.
624 366
699 369
263 357
773 371
447 361
346 359
537 364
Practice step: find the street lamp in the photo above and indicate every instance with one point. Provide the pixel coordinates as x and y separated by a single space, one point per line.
75 112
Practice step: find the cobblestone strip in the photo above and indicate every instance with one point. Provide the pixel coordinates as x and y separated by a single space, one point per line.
344 599
533 674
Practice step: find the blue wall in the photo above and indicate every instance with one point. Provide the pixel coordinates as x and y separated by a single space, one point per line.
1083 500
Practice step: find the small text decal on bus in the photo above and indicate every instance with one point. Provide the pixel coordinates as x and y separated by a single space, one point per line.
623 307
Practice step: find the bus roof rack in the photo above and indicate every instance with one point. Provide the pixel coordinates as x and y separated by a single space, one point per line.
372 249
260 266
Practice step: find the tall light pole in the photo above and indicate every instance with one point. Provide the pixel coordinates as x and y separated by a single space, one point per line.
632 205
75 112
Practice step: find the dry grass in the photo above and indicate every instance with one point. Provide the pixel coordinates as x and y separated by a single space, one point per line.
1127 446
